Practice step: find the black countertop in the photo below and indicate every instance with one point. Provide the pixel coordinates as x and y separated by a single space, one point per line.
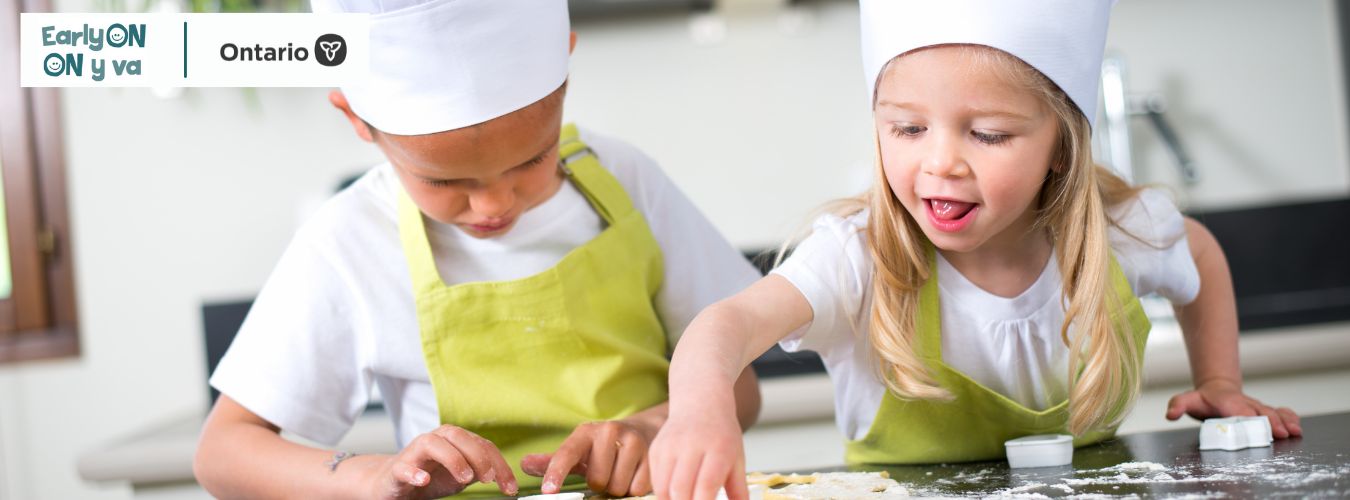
1155 465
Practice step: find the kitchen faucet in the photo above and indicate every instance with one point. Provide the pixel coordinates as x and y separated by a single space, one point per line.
1119 106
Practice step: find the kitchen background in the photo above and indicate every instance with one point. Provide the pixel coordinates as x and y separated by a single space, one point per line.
756 109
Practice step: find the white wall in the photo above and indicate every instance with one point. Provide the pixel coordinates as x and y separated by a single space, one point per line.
1254 91
173 202
179 201
757 130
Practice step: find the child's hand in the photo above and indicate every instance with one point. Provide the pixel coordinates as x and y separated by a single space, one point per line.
441 463
1222 398
611 454
694 456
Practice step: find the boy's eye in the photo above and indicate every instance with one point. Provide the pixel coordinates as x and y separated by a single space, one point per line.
898 130
537 160
989 138
441 183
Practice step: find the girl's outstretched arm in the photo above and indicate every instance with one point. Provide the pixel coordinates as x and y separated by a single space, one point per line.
699 449
1211 328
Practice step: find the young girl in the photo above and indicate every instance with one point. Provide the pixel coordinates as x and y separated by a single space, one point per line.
985 289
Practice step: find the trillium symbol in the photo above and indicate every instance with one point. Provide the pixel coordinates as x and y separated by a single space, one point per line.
330 48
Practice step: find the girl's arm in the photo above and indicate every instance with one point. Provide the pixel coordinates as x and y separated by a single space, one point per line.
1211 328
241 455
613 454
699 449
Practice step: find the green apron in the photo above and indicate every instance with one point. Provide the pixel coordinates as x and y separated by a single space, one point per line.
973 425
522 363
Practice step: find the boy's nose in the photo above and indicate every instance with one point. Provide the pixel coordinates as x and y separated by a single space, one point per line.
495 201
945 159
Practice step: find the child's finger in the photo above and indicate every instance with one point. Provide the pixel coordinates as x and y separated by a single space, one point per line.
642 479
536 464
682 477
712 475
481 455
405 477
431 450
630 450
600 462
736 487
572 452
1277 428
1181 404
660 471
1291 421
502 473
462 466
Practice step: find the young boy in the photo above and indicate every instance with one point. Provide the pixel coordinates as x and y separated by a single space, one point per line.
513 295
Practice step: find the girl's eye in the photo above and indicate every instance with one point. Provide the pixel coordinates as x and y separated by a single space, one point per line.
907 130
989 138
436 183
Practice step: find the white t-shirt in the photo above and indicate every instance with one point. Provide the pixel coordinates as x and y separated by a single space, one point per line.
337 313
1010 345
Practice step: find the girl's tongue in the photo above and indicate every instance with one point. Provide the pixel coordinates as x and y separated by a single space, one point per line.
950 210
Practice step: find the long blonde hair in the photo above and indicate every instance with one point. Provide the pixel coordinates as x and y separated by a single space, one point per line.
1072 208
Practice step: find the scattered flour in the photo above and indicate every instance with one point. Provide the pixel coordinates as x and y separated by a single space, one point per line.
1139 466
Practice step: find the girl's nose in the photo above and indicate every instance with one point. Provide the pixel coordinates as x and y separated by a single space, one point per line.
945 159
494 200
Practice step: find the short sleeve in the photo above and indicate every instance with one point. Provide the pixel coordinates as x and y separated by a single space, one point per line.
1149 240
700 267
832 269
296 361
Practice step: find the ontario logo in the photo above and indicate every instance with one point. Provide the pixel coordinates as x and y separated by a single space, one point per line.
329 50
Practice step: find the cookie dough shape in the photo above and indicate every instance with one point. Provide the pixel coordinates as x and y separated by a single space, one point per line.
842 486
775 479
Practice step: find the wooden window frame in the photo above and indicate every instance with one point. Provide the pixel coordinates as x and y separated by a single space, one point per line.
39 319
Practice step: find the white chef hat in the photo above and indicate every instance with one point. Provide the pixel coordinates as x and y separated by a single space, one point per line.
1063 39
438 65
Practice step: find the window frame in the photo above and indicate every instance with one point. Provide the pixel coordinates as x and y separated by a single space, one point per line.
39 318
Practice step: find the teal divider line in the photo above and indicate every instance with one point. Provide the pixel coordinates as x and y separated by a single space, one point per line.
184 49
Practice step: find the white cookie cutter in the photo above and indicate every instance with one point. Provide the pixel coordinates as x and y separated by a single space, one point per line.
756 493
1235 433
1041 450
575 495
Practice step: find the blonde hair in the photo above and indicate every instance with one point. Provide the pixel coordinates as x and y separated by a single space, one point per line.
1072 208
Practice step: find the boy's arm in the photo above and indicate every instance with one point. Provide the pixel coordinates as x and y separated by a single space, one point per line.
620 469
1210 326
241 455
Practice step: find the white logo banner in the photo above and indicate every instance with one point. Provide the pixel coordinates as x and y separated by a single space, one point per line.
194 50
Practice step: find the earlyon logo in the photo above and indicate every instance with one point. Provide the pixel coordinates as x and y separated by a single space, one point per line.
330 50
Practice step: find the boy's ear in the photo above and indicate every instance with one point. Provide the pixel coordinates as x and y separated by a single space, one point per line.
572 45
362 129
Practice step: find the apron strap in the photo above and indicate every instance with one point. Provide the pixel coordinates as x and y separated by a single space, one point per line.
605 193
416 246
927 327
